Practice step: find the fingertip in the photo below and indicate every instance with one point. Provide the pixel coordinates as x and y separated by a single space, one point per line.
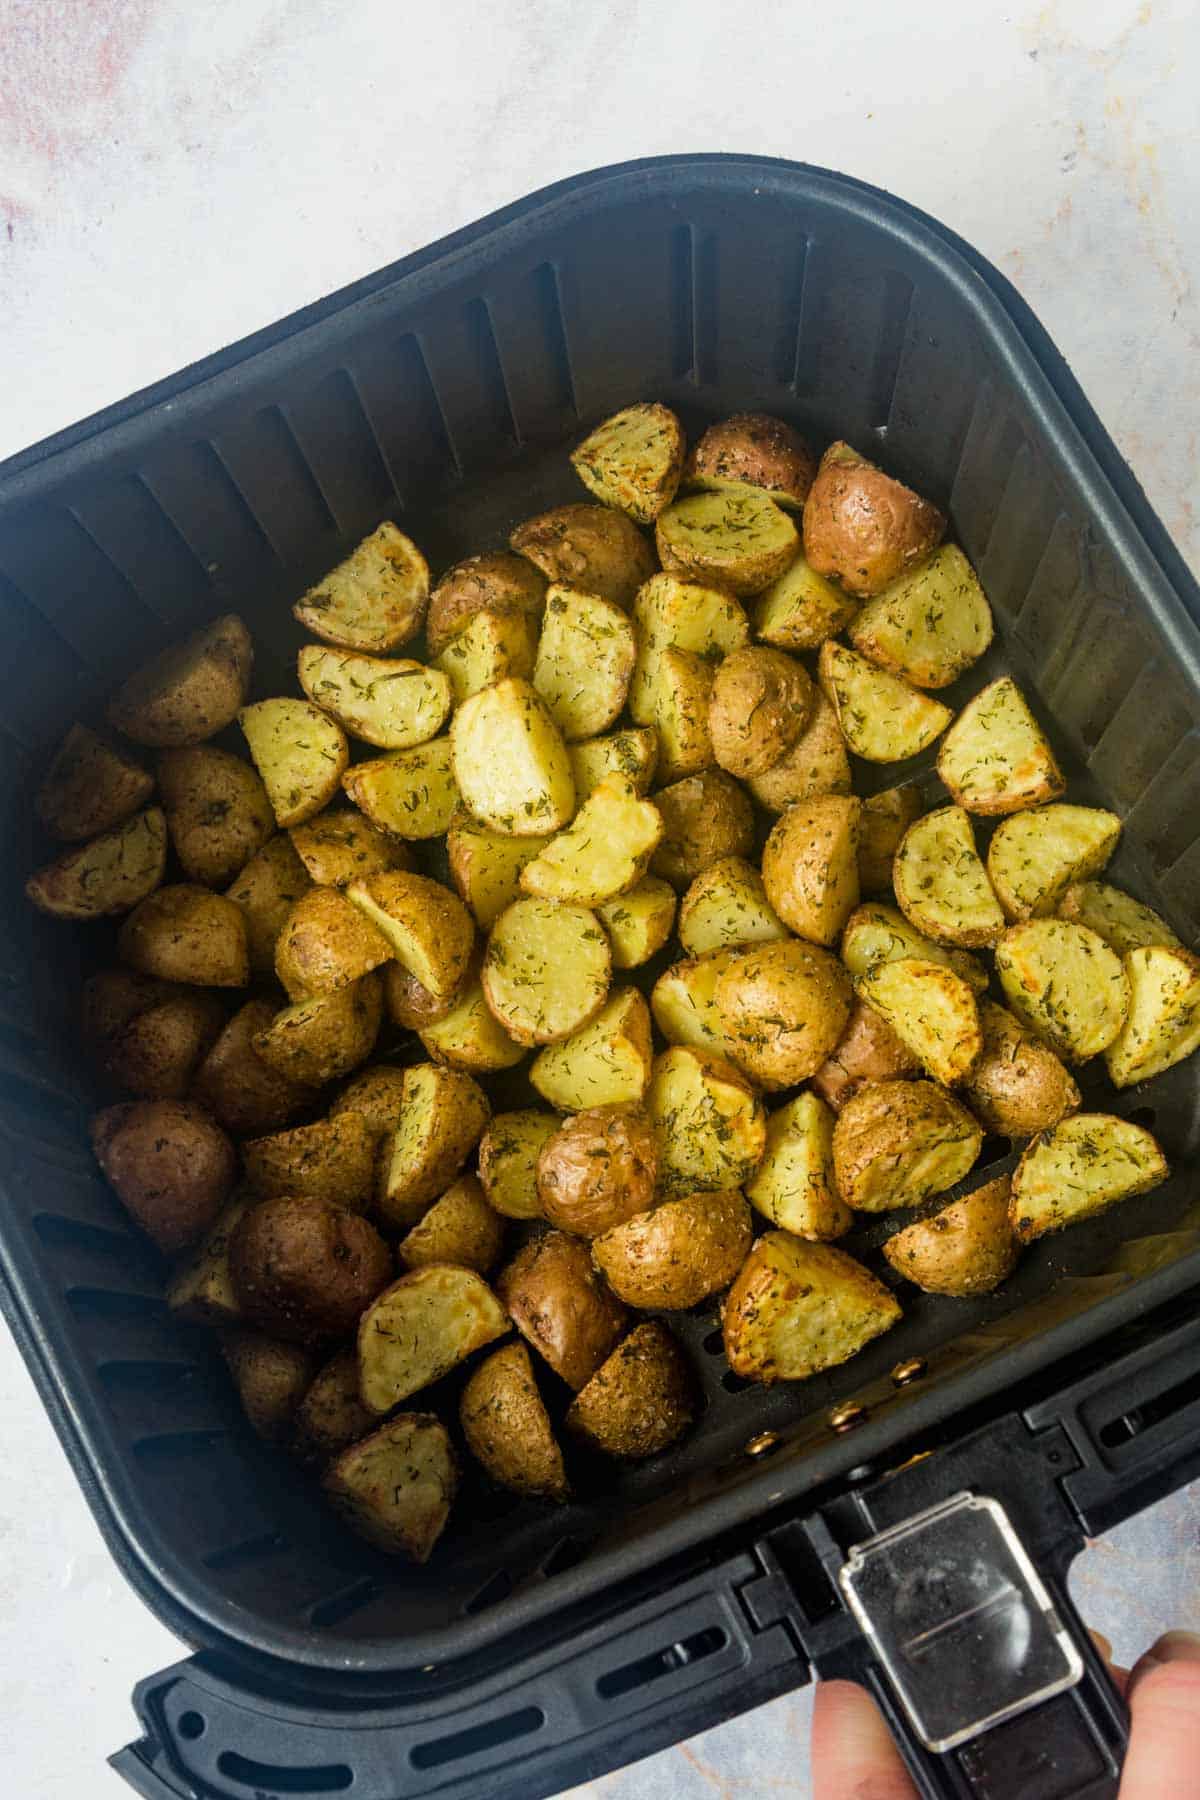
1164 1701
853 1752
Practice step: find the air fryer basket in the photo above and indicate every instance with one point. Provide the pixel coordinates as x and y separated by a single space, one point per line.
443 392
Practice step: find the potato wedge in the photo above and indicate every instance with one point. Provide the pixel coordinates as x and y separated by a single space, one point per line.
967 1248
1065 984
794 1184
877 934
929 624
396 1487
189 691
490 647
797 1308
683 1002
1162 1025
760 706
727 906
326 943
602 853
639 922
333 1160
113 998
868 1050
942 887
1080 1167
374 600
391 702
632 752
560 1306
264 893
300 753
201 1290
496 581
862 527
738 540
460 1228
676 1254
508 1159
169 1164
90 787
882 823
931 1009
218 814
597 1170
187 934
318 1040
640 1400
485 866
155 1055
756 451
816 764
443 1113
585 659
510 762
420 1328
241 1091
782 1008
111 874
507 1428
1124 923
995 757
411 793
705 817
1017 1086
546 970
801 609
271 1379
1035 856
680 699
882 718
377 1094
895 1143
711 1126
607 1063
426 928
592 548
331 1416
810 865
672 614
469 1036
633 460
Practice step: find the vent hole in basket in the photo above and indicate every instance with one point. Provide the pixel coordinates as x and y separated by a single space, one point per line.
683 347
497 1587
991 1150
168 1445
714 1343
566 1554
1142 1115
249 1550
339 1606
108 1303
59 1233
663 1662
1151 1412
480 1737
260 1778
554 332
191 1725
734 1384
145 1377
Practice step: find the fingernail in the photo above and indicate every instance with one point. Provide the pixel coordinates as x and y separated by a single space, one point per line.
1102 1644
1177 1646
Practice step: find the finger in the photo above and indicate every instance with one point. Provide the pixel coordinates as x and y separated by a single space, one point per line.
1164 1699
853 1755
1120 1677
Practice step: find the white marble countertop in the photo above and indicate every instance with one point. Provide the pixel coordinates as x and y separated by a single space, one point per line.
174 175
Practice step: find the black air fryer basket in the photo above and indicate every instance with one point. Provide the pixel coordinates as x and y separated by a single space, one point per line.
541 1645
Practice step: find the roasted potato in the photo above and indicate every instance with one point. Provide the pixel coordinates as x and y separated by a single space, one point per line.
1162 1025
424 926
675 1255
591 548
303 1269
737 540
241 1091
760 705
420 1328
169 1164
90 787
201 1290
560 1306
189 691
882 823
868 1050
411 793
1017 1086
485 866
156 1053
671 614
271 1379
632 752
546 971
585 659
459 1228
929 624
681 696
705 817
607 1063
633 460
816 764
782 1008
507 1427
510 762
797 1308
411 1005
810 865
862 527
638 922
442 1115
187 934
508 1159
727 907
967 1248
639 1400
111 874
374 600
1035 856
496 581
597 1170
801 609
300 753
881 717
1065 984
794 1184
396 1487
710 1123
684 1002
377 1094
264 893
941 884
1080 1167
877 934
752 450
390 702
333 1159
602 853
331 1414
995 757
931 1009
112 999
318 1040
1124 923
327 943
490 647
469 1036
218 814
897 1142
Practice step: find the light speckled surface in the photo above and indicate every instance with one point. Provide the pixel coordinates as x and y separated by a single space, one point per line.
173 176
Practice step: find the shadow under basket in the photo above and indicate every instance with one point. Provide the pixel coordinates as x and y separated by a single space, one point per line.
443 392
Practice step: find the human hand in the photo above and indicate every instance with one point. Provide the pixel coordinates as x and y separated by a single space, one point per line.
855 1758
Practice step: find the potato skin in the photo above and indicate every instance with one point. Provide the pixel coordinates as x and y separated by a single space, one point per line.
677 1254
783 1007
1017 1086
409 1002
189 934
705 817
967 1248
110 874
560 1306
863 528
217 811
170 1165
264 893
156 1054
597 1170
326 943
640 1400
810 865
868 1050
90 787
496 581
270 1378
377 1092
188 692
590 547
507 1428
761 702
752 449
304 1270
317 1040
241 1091
331 1414
333 1160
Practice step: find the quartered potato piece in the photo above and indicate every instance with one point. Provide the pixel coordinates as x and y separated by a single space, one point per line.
340 844
931 1009
201 1291
375 600
878 934
710 1123
995 757
676 1254
673 614
760 705
90 787
495 581
188 692
390 702
632 752
810 865
510 761
740 541
1124 923
598 1170
427 928
633 461
782 1009
490 647
897 1142
882 718
459 1228
864 528
242 1092
868 1050
602 853
941 884
508 1157
967 1248
560 1306
592 548
794 1184
680 698
331 1415
486 866
507 1428
317 1040
111 874
546 970
264 893
441 1118
1018 1086
155 1052
585 659
333 1160
816 764
882 823
1084 1165
1035 856
639 922
755 451
420 1328
300 753
411 793
797 1308
326 943
218 814
376 1093
727 906
469 1037
684 1002
1065 984
705 817
188 934
1163 1022
929 624
270 1378
608 1063
396 1487
801 609
640 1400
